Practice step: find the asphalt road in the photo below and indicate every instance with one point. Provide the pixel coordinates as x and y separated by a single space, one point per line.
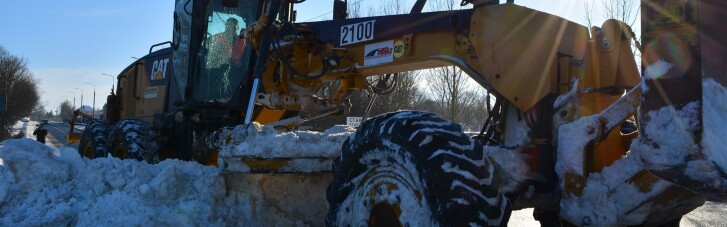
59 131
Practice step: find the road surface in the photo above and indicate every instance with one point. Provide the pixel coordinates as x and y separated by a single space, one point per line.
59 132
709 215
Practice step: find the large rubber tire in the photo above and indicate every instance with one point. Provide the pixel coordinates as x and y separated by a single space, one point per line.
414 169
93 143
134 139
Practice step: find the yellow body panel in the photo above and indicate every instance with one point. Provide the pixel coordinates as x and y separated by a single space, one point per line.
518 50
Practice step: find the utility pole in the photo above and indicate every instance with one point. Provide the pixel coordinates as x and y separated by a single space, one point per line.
74 99
106 104
113 81
93 112
81 98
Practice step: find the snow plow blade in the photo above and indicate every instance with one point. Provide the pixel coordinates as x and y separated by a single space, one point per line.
277 167
253 148
681 113
250 164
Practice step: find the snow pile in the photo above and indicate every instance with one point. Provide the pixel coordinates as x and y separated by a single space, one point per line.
266 142
571 142
42 189
510 159
608 199
671 147
512 164
714 140
62 190
672 130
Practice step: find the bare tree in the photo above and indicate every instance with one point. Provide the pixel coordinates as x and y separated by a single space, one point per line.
624 10
448 86
392 7
38 112
354 9
405 95
66 111
457 98
442 5
588 9
21 89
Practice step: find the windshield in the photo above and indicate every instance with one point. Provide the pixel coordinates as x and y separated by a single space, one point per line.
224 54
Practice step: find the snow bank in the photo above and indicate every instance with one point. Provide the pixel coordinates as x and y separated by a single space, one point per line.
42 189
608 199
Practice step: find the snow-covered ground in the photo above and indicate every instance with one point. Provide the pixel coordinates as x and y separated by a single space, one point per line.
40 188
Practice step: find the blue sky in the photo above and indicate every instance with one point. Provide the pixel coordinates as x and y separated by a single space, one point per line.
68 44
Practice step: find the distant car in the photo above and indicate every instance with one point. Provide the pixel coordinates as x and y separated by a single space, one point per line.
25 119
45 122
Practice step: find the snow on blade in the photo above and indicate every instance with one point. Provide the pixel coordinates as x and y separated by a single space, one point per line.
608 199
672 129
512 164
570 143
266 142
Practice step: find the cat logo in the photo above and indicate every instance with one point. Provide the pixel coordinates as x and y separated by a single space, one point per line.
159 69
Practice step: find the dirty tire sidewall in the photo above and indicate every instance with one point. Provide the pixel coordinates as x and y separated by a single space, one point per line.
96 135
136 138
422 153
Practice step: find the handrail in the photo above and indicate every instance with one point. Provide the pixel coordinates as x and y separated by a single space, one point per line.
159 44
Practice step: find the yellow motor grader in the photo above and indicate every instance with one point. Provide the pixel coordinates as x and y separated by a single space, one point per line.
576 132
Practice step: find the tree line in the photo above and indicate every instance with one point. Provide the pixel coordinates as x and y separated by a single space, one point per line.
21 89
